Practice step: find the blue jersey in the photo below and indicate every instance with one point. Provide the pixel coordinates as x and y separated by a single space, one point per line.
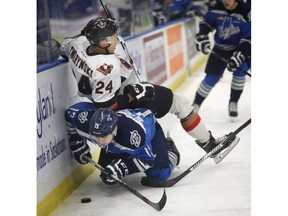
136 129
233 28
139 139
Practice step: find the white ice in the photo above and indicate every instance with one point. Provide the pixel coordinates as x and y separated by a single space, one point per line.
210 190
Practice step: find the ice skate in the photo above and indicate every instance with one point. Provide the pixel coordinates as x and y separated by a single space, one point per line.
220 154
172 150
232 109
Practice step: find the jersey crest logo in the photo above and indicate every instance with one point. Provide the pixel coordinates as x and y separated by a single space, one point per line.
105 69
135 138
228 32
83 117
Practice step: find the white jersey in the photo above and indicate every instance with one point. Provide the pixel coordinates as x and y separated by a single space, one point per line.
99 77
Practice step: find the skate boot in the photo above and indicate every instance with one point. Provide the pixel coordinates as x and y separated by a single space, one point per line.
173 153
232 109
212 143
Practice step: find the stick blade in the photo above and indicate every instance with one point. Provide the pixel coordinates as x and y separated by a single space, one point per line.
160 205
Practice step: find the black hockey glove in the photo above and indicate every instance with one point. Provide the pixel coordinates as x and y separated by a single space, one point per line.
142 91
117 168
235 61
79 149
203 43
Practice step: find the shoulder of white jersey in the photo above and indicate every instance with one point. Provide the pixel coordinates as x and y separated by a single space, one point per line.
124 62
77 42
65 46
81 43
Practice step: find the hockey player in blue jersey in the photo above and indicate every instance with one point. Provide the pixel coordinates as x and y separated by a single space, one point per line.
132 141
231 20
169 10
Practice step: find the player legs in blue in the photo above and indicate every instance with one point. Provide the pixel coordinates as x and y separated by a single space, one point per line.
214 71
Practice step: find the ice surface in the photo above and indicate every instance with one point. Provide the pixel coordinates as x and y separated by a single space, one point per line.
210 190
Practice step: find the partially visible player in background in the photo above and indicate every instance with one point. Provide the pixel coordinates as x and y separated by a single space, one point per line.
168 10
109 81
231 21
132 141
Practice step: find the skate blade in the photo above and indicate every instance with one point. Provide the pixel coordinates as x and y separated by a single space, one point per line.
218 158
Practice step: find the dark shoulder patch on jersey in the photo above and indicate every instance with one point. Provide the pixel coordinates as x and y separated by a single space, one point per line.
126 64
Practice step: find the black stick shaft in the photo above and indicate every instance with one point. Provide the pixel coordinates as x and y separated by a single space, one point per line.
105 8
158 206
170 182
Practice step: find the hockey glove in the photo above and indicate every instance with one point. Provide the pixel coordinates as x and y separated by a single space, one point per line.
117 168
79 149
203 43
142 91
235 61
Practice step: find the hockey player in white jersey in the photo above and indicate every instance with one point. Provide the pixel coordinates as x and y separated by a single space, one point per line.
109 81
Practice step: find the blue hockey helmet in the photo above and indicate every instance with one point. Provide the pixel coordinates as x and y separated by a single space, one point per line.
103 122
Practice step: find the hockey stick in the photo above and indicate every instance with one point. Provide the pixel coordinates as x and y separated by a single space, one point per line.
158 206
121 41
170 182
226 61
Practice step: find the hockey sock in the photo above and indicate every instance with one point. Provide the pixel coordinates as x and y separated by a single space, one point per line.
202 92
195 127
173 158
237 87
